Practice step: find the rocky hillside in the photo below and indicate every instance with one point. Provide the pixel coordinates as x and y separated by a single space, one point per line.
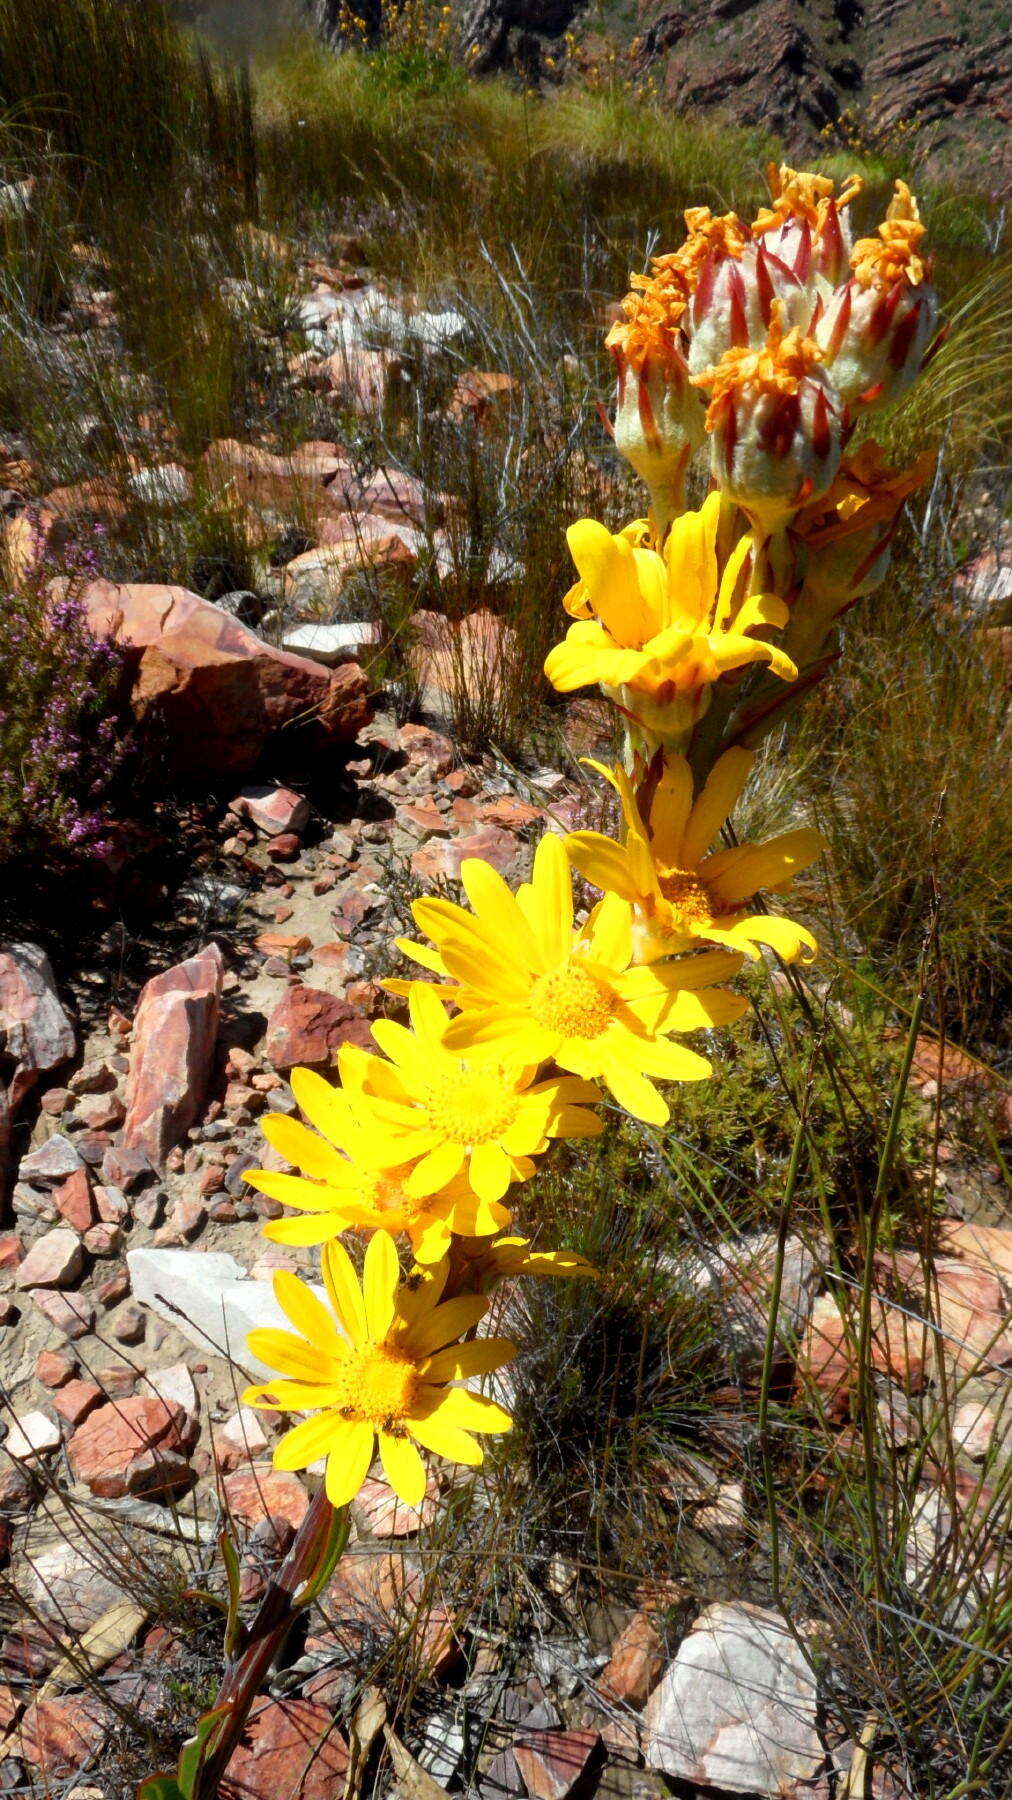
938 67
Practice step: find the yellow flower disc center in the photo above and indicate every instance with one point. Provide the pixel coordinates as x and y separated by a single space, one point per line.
474 1107
377 1387
386 1191
687 896
572 1001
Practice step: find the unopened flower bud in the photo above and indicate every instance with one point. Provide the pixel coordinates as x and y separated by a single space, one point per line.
732 307
659 415
807 226
877 327
775 423
843 543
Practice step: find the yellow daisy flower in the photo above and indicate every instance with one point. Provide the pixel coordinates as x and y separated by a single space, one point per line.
479 1115
680 893
341 1188
532 988
376 1367
665 624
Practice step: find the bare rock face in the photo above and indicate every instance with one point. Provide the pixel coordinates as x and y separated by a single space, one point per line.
737 1707
796 66
208 690
171 1053
35 1032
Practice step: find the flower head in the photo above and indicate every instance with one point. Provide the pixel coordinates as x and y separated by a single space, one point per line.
663 625
532 987
682 895
342 1187
480 1115
877 327
375 1365
775 423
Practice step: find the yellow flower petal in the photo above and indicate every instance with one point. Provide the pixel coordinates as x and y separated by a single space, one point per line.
309 1440
403 1468
343 1290
443 1324
308 1314
349 1463
291 1355
721 793
380 1278
458 1362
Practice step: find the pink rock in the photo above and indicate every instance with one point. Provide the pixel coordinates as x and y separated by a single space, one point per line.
54 1369
272 809
290 1748
285 847
265 1493
32 1435
60 1737
425 746
308 1027
54 1261
73 1201
103 1451
76 1400
441 860
386 1516
35 1032
212 691
637 1663
70 1313
552 1762
480 392
172 1051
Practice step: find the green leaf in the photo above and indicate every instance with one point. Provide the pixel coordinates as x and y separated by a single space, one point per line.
197 1748
233 1624
160 1787
330 1555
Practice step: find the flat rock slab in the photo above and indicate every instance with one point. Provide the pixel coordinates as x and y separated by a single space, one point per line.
737 1707
207 1296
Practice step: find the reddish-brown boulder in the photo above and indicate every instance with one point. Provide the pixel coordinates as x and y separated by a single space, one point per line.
290 1748
211 691
308 1027
171 1052
252 1495
62 1737
110 1450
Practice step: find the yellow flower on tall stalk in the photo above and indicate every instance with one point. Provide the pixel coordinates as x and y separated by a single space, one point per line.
532 987
377 1368
448 1114
679 893
664 625
342 1187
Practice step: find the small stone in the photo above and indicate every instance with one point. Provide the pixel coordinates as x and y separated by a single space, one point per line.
103 1450
11 1250
74 1202
75 1401
285 847
128 1326
112 1206
34 1434
148 1209
54 1261
93 1077
272 810
263 1492
70 1314
55 1102
126 1167
111 1292
61 1737
118 1381
103 1112
54 1161
309 1026
636 1663
240 1440
54 1368
170 1061
103 1240
552 1762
